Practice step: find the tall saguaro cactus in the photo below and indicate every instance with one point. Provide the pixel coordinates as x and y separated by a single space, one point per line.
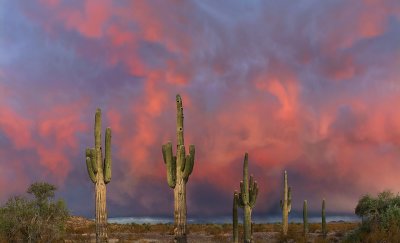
305 218
324 230
99 170
179 168
235 233
247 199
286 204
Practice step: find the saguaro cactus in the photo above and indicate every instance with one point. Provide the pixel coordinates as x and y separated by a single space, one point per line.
305 218
99 171
179 168
286 204
235 233
324 230
247 199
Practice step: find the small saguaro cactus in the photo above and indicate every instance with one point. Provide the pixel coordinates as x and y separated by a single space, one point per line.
305 218
179 168
235 233
247 199
286 204
324 230
99 171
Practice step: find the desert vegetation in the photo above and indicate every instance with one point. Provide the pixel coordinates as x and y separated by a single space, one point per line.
38 218
380 218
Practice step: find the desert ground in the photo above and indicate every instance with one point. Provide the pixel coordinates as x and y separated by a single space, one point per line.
80 229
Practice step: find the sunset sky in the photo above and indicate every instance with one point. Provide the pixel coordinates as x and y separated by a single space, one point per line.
308 86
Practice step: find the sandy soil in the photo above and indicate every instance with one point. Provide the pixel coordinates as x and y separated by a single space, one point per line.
82 230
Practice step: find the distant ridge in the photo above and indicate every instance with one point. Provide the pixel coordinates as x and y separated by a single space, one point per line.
227 220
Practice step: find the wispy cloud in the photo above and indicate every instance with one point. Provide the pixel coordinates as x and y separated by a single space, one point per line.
310 87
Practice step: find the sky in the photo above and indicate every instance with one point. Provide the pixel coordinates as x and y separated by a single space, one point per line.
309 86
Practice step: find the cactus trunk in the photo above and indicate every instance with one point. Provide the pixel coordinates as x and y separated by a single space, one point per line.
180 208
324 230
99 171
247 199
179 168
286 204
247 224
305 218
235 233
101 212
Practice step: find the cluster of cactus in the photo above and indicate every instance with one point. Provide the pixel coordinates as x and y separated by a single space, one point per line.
246 199
99 171
323 217
286 206
179 168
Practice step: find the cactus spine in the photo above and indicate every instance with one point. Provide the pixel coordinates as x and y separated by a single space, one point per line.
179 168
99 171
235 218
286 204
247 199
305 218
324 230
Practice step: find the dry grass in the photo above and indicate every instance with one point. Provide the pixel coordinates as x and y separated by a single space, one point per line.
84 230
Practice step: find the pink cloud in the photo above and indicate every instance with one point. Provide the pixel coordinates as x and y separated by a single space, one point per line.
296 93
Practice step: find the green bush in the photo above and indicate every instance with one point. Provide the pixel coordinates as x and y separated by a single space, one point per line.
380 218
39 219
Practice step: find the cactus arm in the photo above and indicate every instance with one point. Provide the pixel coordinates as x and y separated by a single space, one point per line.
251 186
91 154
240 200
189 163
170 161
253 194
174 159
164 148
107 157
89 166
179 120
192 151
188 168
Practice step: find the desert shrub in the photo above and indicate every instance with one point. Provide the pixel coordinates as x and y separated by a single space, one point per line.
380 218
37 219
